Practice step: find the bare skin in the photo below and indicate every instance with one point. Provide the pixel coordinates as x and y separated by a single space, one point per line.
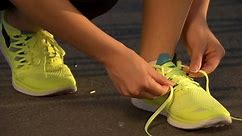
83 32
204 48
162 26
20 21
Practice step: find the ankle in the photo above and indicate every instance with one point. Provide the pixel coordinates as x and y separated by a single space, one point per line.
19 21
152 57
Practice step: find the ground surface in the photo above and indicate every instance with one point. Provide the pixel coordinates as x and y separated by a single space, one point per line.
106 113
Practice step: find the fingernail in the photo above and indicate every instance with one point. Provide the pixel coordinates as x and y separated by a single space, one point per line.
194 69
172 83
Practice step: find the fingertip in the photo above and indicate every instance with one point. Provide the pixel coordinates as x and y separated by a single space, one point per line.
162 90
195 75
196 61
163 80
166 89
208 68
172 83
194 68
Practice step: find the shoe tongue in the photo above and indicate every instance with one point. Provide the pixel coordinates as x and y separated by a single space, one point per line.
165 59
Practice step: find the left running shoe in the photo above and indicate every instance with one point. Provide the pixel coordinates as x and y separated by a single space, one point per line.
36 61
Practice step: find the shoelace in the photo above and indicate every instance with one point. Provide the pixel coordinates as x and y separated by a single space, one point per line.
170 97
22 49
44 39
52 52
52 48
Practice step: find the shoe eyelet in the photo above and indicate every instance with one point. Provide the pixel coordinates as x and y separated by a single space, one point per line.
17 36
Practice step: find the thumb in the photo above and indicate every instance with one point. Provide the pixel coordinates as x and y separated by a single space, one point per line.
196 62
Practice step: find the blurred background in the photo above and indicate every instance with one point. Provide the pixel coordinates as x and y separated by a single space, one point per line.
97 109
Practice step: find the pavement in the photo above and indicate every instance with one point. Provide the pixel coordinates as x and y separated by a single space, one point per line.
97 109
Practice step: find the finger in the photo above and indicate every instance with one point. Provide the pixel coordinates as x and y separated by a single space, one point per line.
211 64
157 89
195 75
196 61
186 69
160 79
213 58
146 95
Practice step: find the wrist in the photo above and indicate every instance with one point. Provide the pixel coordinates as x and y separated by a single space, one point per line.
197 22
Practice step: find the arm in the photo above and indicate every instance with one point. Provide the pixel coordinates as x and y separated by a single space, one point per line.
198 10
123 65
205 49
66 22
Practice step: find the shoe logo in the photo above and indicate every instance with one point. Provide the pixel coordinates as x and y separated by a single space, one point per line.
6 37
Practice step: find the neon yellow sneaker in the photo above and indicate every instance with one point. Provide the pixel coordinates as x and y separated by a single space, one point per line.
36 61
188 105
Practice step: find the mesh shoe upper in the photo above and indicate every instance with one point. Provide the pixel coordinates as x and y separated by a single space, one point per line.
190 101
36 61
188 105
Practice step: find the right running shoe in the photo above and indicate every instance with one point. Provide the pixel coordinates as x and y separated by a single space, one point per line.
36 61
188 105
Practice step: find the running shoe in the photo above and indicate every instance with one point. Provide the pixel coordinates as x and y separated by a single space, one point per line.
36 61
187 105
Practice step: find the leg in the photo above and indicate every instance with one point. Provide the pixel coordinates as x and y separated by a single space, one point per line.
163 23
171 14
55 18
35 58
66 22
90 9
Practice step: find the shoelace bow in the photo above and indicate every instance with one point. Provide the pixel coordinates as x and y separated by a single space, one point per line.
170 97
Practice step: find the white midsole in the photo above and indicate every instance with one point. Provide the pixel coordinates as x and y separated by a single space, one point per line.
19 89
218 121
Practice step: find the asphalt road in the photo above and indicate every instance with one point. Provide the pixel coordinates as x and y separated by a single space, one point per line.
105 112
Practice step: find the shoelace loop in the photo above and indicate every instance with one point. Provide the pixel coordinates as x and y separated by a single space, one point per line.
176 73
170 97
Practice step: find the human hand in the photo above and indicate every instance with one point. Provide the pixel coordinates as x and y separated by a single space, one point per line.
204 48
134 77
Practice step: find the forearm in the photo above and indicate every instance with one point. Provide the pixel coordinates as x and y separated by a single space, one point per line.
66 22
198 11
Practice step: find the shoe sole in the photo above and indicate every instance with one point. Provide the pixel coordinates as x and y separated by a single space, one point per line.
47 93
212 122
